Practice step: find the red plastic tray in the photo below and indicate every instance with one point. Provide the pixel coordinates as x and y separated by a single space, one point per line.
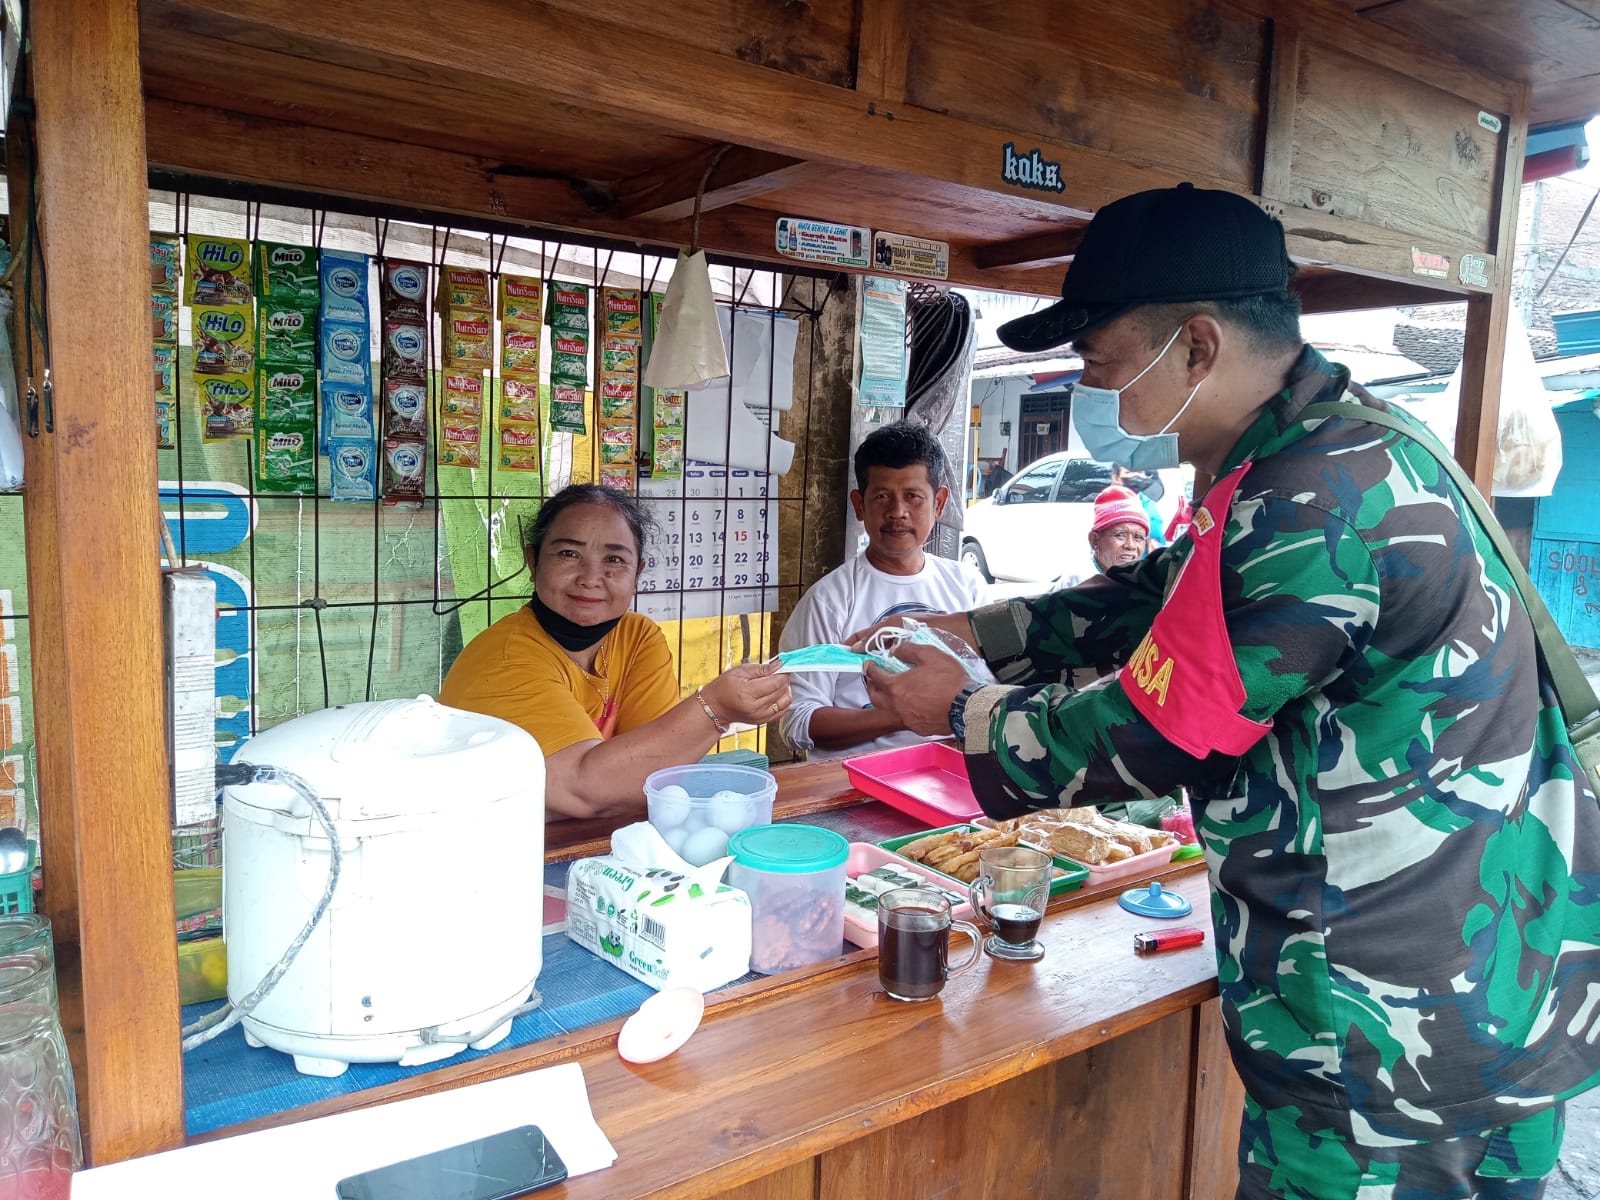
927 780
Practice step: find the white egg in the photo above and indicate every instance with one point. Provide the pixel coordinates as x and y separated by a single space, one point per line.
671 807
730 811
696 821
676 838
700 848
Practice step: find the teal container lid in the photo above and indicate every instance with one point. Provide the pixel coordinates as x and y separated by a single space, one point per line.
788 849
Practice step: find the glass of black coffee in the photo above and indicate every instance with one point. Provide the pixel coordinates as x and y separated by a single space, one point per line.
914 927
1010 894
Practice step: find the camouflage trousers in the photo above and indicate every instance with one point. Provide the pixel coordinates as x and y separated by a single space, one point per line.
1280 1155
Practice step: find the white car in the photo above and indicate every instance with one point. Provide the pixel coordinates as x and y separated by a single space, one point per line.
1035 528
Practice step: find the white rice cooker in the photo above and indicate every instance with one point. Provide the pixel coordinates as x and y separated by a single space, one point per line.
434 932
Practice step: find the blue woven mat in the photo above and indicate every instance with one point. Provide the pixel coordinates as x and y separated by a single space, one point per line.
226 1083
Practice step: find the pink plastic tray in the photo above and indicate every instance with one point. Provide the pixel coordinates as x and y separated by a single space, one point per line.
928 781
1140 864
866 857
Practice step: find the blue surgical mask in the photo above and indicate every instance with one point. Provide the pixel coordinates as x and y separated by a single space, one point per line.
1097 413
827 657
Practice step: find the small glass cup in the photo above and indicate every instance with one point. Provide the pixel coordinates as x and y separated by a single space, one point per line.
914 927
1010 893
39 1141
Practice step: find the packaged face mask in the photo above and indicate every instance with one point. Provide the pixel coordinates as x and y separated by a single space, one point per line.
827 658
882 644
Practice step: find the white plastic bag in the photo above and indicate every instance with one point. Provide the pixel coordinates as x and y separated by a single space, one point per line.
688 349
1528 440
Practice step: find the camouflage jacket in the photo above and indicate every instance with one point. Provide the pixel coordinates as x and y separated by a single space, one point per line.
1405 865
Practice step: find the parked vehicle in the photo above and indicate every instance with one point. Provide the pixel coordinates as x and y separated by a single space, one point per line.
1035 528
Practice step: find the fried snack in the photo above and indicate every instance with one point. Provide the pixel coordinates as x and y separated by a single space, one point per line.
1084 845
1099 839
955 853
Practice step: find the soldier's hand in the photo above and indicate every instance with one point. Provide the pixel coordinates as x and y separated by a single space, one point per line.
920 697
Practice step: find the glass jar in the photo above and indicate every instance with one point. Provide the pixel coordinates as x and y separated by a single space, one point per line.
27 979
39 1142
27 933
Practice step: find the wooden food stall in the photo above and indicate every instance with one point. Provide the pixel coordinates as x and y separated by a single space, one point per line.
1390 143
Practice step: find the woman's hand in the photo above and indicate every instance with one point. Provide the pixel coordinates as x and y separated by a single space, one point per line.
751 694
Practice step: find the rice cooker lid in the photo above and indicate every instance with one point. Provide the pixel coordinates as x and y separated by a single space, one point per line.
394 758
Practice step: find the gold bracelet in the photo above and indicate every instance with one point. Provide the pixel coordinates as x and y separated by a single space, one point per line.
722 730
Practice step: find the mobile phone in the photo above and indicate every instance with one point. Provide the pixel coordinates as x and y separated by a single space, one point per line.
496 1167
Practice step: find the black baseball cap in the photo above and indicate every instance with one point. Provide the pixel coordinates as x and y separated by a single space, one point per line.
1164 246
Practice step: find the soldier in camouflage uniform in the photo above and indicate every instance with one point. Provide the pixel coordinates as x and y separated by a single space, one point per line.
1404 854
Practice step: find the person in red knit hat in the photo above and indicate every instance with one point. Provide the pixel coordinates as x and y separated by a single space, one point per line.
1121 530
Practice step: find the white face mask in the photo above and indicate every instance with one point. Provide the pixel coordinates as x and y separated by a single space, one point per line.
1097 414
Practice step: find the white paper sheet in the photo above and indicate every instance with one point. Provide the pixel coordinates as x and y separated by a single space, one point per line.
308 1159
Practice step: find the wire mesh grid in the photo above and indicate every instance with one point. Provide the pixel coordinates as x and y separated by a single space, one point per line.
325 603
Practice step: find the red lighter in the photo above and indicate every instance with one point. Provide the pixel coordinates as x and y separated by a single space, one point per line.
1168 939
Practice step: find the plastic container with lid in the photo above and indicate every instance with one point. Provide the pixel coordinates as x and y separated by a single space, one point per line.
697 808
794 876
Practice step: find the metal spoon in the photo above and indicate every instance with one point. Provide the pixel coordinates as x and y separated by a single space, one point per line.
13 850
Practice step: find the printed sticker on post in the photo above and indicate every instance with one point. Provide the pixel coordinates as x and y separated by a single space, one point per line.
1474 270
823 242
1430 264
897 254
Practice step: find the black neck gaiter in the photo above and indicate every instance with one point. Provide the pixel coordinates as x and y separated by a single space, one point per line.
569 635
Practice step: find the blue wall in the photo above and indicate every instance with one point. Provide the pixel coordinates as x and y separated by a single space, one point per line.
1565 557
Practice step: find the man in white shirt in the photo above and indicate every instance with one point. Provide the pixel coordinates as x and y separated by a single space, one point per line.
897 499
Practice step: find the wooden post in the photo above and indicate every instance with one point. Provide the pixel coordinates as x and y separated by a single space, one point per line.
1484 351
95 575
814 494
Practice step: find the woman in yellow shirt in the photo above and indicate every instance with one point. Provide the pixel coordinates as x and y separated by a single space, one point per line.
591 680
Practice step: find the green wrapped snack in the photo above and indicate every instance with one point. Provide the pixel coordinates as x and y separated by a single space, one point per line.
566 408
286 334
287 275
286 461
286 397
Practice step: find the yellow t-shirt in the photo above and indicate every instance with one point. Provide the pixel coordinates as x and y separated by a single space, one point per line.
515 671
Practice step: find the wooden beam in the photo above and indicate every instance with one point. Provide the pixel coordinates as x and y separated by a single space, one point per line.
736 174
1339 291
102 516
1277 149
1489 313
700 93
1318 239
676 86
208 142
1059 245
883 50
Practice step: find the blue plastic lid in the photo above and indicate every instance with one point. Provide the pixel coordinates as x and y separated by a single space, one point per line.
1155 901
788 849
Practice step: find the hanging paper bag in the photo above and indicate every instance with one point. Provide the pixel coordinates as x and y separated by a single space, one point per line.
688 346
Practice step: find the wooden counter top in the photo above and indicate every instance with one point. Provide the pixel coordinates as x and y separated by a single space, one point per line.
784 1070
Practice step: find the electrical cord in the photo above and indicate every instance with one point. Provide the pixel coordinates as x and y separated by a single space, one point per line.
225 1018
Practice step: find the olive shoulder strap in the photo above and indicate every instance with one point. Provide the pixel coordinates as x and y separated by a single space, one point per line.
1573 690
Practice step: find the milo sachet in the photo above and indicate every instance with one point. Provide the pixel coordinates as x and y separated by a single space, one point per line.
288 275
287 334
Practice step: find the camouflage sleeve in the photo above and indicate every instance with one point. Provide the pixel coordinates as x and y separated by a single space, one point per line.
1096 624
1300 599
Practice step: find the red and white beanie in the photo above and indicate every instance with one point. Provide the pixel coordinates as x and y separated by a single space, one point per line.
1118 506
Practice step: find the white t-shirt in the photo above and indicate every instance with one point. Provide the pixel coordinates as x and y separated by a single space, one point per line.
847 600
